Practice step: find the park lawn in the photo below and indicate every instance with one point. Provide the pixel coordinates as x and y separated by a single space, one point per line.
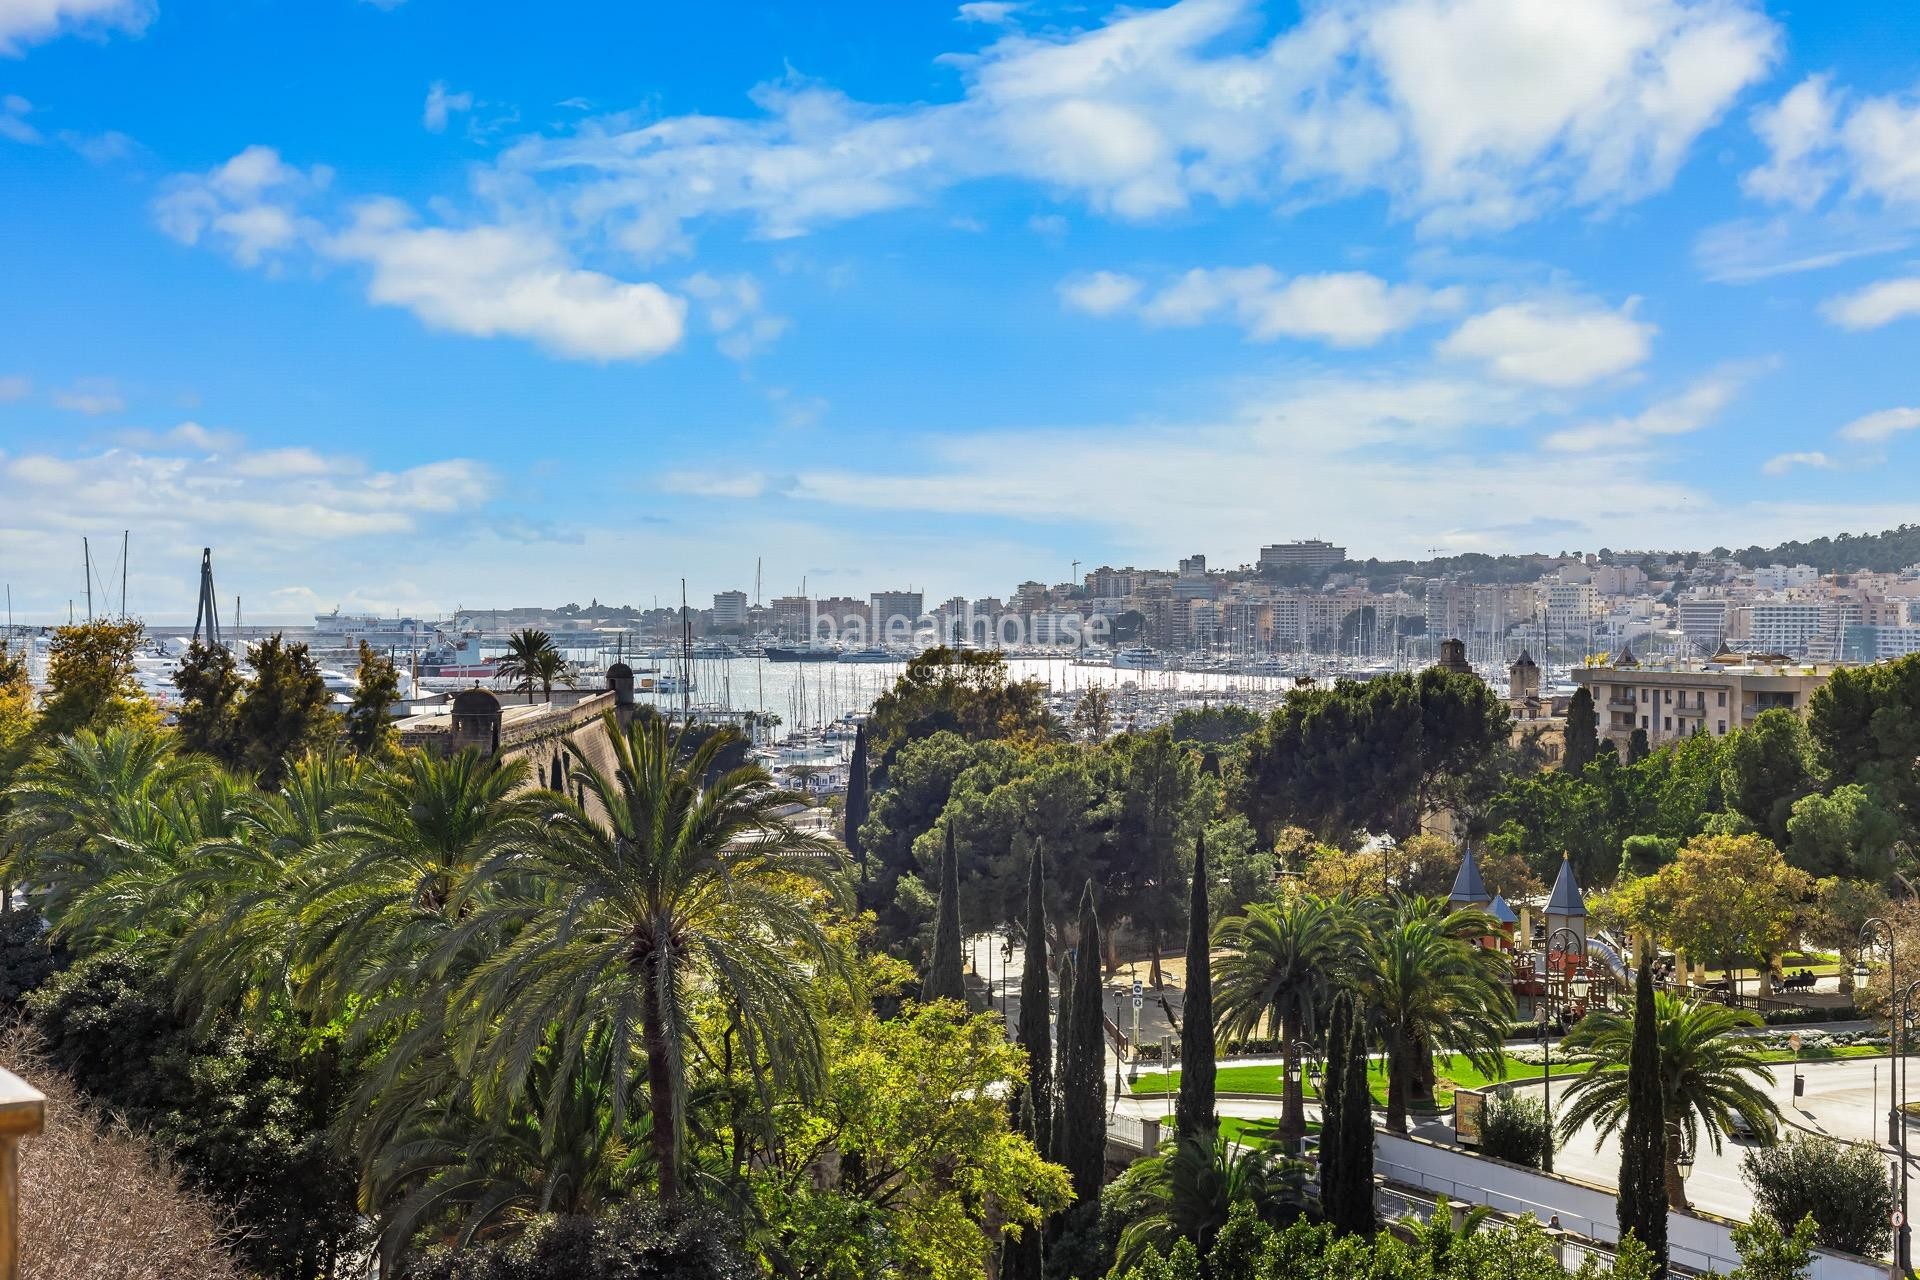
1247 1132
1825 1053
1452 1072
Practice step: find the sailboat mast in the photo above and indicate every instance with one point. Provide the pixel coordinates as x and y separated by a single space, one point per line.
86 556
126 543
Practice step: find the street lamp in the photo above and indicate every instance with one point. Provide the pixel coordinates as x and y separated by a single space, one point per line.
1903 1242
1577 989
1683 1162
1896 1062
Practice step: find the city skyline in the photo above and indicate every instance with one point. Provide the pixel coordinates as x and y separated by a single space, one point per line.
396 313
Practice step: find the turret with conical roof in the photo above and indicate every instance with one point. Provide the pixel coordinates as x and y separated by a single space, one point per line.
1469 888
1566 909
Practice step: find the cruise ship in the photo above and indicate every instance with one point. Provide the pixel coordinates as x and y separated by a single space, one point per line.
347 630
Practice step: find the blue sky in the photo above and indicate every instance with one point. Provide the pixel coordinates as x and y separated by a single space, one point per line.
426 303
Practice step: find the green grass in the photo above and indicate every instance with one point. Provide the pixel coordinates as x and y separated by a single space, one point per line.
1252 1133
1825 1053
1452 1072
1455 1072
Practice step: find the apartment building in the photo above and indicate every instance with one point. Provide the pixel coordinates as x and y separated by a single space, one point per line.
1310 554
730 610
1703 620
1673 700
888 605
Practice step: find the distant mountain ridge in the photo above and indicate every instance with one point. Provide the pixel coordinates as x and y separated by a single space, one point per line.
1847 553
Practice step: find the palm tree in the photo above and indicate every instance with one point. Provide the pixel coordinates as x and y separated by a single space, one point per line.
108 822
533 660
450 1165
1426 986
1282 962
624 911
240 953
1187 1190
1707 1077
395 873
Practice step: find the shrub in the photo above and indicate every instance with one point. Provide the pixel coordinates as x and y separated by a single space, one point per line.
1844 1188
637 1242
27 959
1515 1128
94 1201
245 1116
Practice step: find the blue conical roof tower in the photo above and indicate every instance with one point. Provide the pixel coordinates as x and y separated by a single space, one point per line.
1501 911
1565 900
1469 889
1566 909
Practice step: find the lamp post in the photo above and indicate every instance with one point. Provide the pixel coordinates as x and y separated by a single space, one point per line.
1683 1161
1576 990
1895 1127
1903 1235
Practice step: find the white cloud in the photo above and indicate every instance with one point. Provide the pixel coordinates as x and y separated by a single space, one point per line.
1345 309
92 396
1818 137
100 148
13 387
991 12
1100 293
1783 463
735 312
1798 131
14 110
441 104
1553 344
1875 305
1683 414
248 206
25 22
493 280
1468 114
1883 425
483 281
279 510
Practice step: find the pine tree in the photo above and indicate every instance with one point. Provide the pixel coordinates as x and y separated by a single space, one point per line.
1194 1114
1333 1099
1638 748
1583 732
945 979
857 802
1643 1143
1355 1211
1036 1033
1083 1079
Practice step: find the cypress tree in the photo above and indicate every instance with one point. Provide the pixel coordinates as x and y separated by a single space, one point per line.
945 979
1083 1080
1638 748
1194 1114
1355 1212
1025 1258
1036 1033
857 801
1063 1044
1333 1100
1583 732
1643 1143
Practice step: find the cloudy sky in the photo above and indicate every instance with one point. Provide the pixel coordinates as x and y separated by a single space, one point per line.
420 303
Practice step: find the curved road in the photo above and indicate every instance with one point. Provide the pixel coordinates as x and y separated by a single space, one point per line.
1847 1100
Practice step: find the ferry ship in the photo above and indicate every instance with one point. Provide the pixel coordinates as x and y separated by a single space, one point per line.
801 653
